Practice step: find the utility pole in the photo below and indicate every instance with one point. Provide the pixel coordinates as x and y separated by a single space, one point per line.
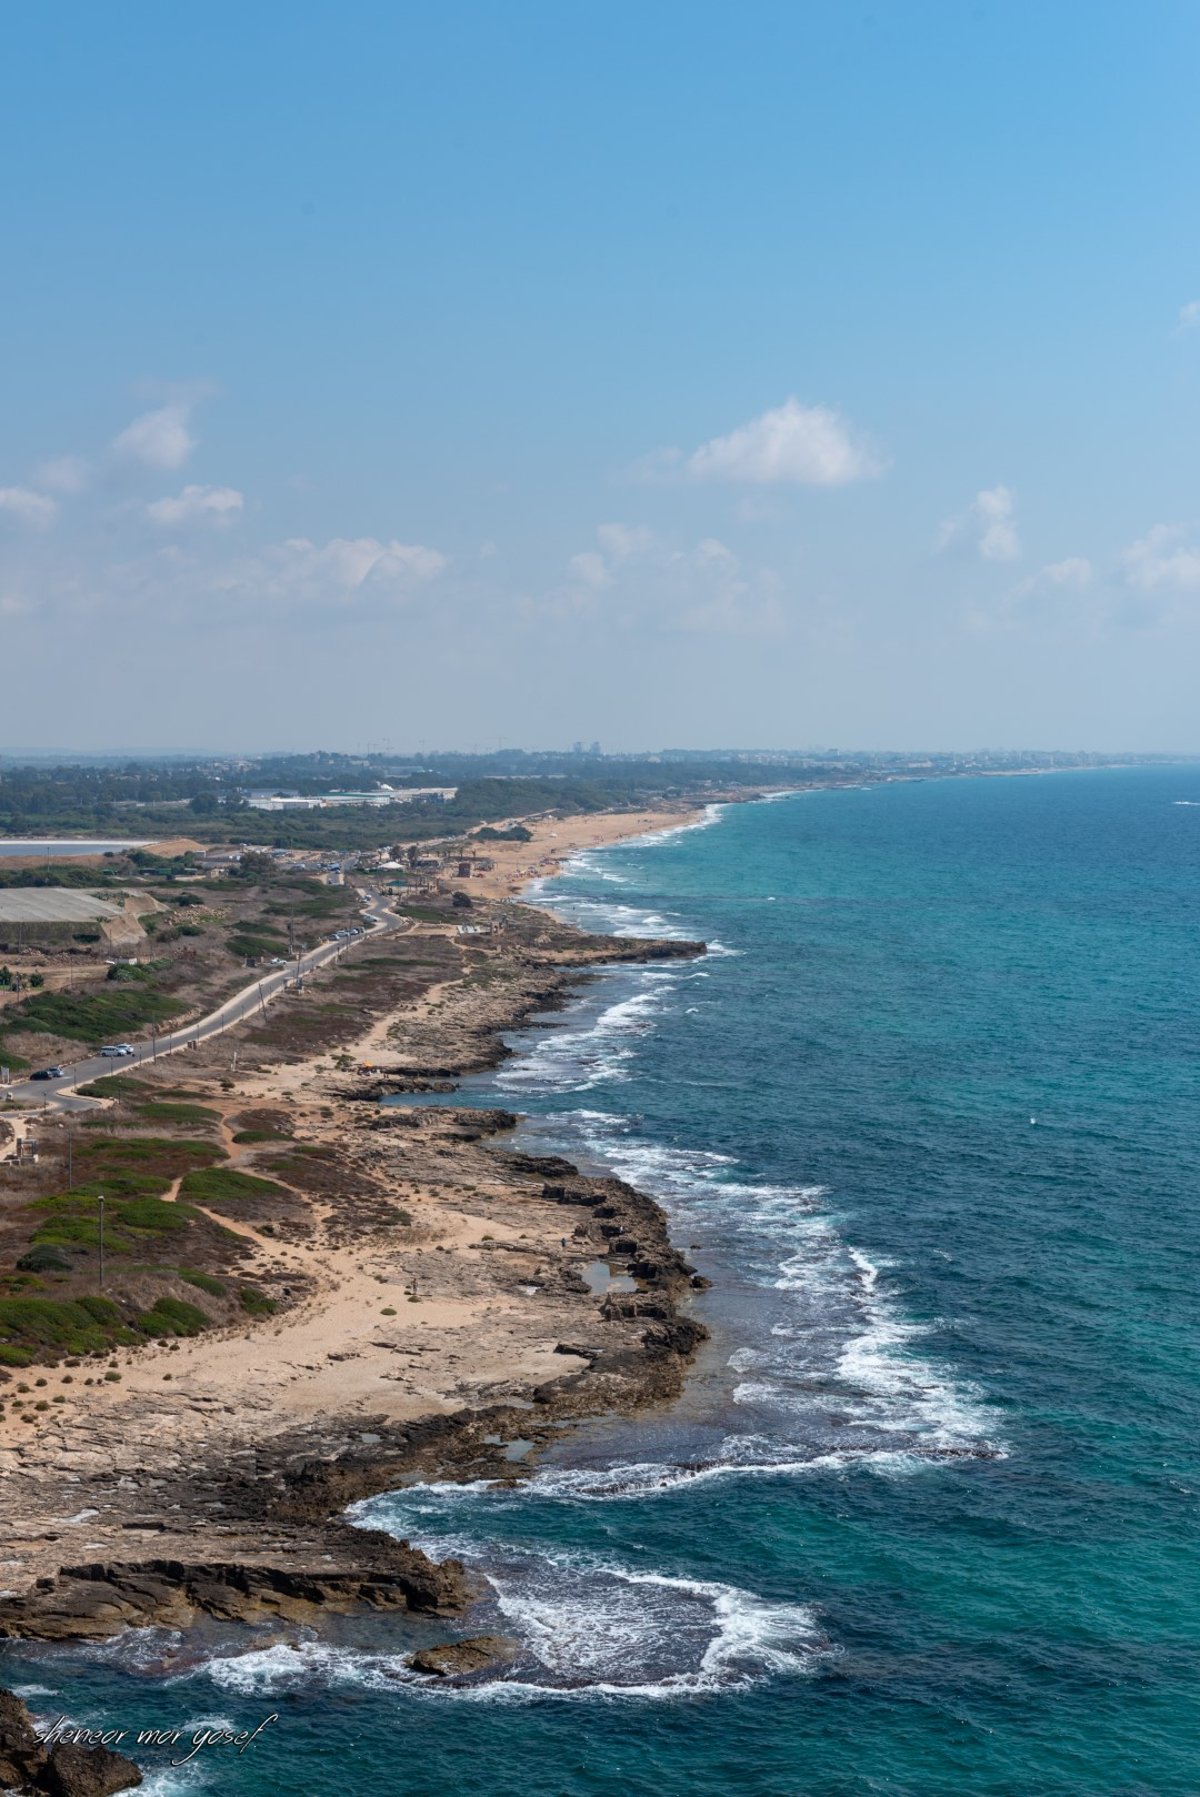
101 1200
70 1156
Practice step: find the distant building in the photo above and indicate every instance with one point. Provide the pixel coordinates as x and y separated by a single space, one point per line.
388 795
48 916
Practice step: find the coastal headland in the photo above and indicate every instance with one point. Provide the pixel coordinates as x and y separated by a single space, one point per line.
350 1294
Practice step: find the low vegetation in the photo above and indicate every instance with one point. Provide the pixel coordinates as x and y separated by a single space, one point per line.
120 1008
256 1303
172 1316
204 1282
72 1325
184 1116
211 1185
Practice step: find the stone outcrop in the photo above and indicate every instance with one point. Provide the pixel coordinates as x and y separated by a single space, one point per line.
63 1770
96 1601
459 1659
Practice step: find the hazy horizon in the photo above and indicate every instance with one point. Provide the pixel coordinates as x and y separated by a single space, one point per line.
445 751
668 375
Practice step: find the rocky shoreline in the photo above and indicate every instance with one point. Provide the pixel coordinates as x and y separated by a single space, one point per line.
254 1531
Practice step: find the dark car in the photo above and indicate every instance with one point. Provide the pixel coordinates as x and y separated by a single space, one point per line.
49 1073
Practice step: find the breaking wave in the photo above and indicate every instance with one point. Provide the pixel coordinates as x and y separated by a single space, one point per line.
582 1628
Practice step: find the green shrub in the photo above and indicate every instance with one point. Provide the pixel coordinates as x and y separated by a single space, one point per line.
109 1162
73 1218
212 1184
95 1016
256 942
43 1259
101 1310
187 1116
155 1215
10 1356
203 1282
172 1316
257 1303
116 1085
59 1323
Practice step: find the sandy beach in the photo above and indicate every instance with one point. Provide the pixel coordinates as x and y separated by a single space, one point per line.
554 840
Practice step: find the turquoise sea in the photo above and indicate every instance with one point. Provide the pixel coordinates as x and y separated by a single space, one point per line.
926 1519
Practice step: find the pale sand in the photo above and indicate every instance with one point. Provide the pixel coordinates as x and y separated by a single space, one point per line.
554 839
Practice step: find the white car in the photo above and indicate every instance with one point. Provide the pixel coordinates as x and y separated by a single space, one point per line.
117 1050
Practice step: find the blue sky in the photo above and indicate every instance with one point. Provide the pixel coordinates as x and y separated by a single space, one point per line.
667 374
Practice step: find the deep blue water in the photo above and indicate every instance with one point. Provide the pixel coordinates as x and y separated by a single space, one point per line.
926 1519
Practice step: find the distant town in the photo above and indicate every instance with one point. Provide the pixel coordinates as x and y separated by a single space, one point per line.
345 802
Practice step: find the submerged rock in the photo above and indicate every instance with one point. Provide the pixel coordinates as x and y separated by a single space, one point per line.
458 1659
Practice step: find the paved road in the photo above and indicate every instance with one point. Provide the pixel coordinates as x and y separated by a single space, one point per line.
59 1092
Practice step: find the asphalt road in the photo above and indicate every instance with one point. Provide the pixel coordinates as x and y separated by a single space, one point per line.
59 1092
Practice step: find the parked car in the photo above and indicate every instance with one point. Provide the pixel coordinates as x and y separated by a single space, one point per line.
49 1073
117 1049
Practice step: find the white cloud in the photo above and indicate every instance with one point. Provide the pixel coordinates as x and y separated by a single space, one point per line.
1189 316
793 445
1073 574
216 505
644 579
63 474
160 439
1163 559
590 567
623 540
343 568
994 509
29 507
990 519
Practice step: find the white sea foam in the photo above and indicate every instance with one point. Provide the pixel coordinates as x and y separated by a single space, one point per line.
609 917
580 1058
624 1634
656 838
842 1345
586 1628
